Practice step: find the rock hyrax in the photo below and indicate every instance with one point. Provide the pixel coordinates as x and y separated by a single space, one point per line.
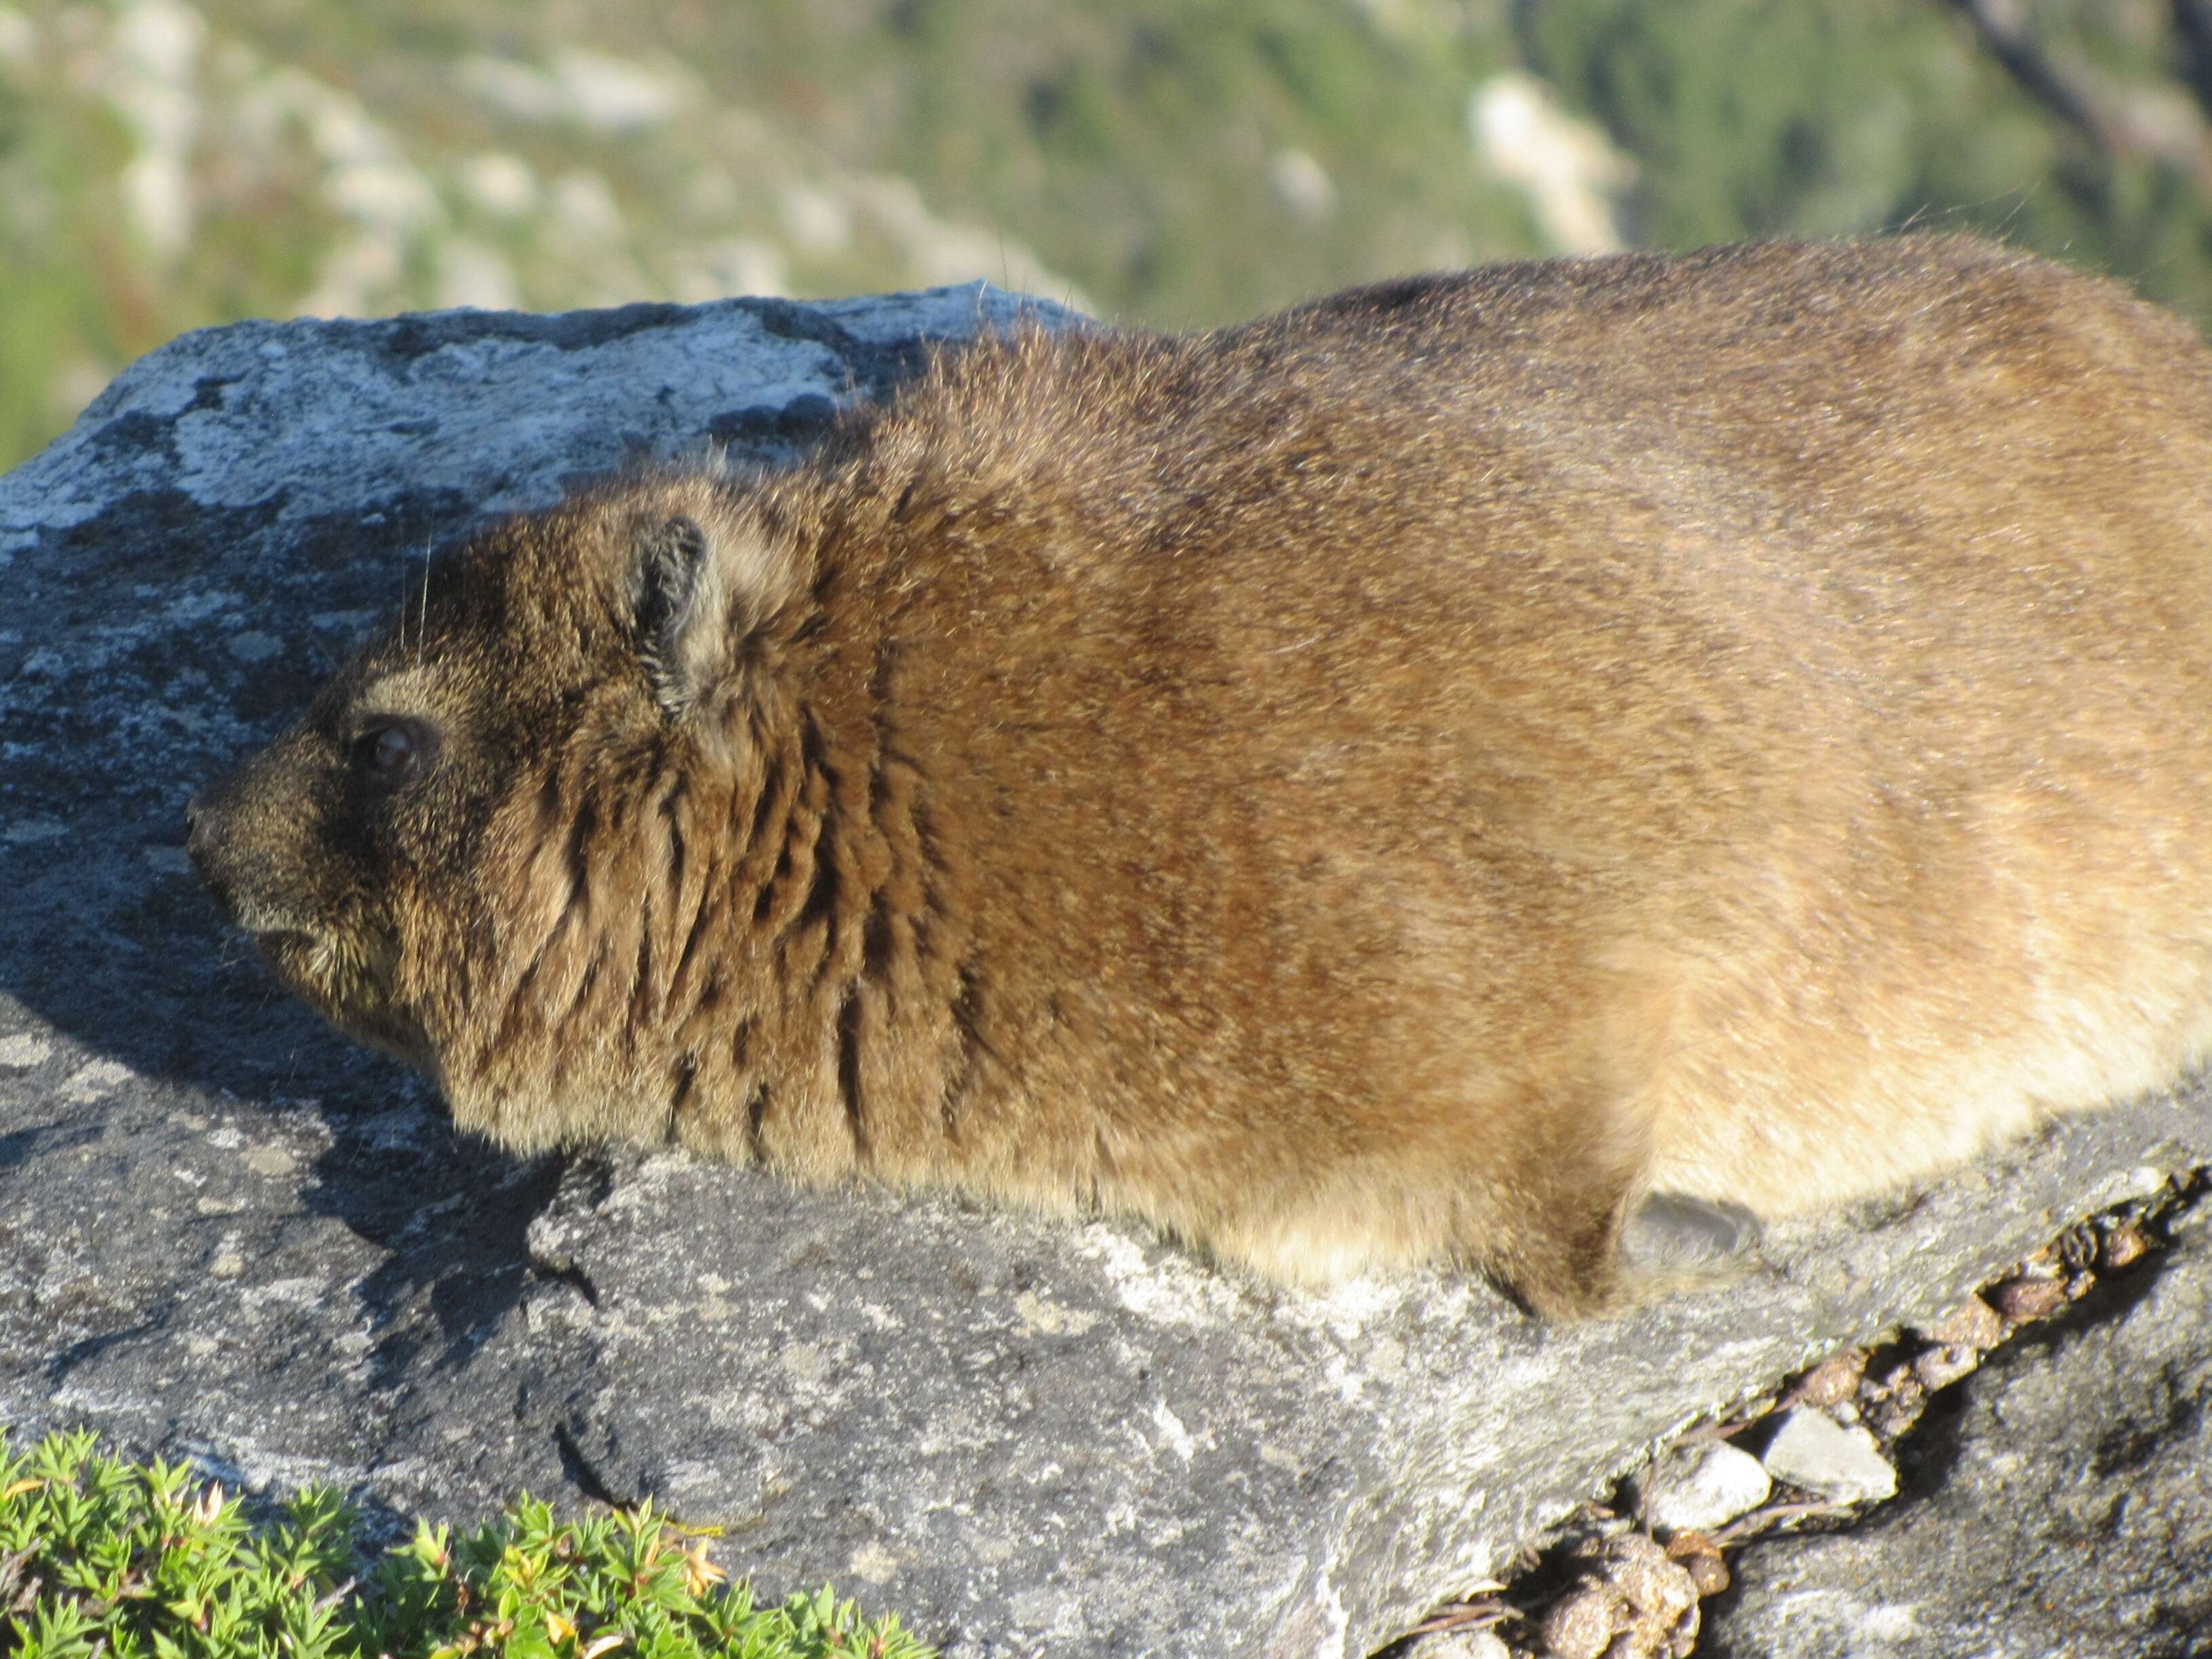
1515 769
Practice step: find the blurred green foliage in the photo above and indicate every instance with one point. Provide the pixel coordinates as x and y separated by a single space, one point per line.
169 164
1749 119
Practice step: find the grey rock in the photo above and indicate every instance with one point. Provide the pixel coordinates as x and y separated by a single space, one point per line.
2056 1505
1844 1465
1703 1487
226 1233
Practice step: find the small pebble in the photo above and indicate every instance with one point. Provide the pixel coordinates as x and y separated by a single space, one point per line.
1653 1584
1580 1626
1898 1410
2023 1301
1701 1559
1709 1573
1839 1464
1940 1367
1898 1379
1832 1381
2077 1250
1972 1324
1697 1488
2126 1242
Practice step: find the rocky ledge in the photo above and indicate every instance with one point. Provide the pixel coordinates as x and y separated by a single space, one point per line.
228 1235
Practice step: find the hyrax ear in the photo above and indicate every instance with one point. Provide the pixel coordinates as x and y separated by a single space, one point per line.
676 604
702 592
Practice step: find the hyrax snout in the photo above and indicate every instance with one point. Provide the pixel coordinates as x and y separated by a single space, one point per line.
1527 769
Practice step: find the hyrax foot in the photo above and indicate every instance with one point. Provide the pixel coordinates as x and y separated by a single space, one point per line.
1670 1237
1668 1243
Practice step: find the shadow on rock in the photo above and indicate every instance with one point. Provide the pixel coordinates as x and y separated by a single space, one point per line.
172 637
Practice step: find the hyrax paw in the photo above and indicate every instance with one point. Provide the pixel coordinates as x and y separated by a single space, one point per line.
1671 1234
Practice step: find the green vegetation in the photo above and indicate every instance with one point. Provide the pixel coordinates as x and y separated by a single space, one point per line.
102 1560
168 163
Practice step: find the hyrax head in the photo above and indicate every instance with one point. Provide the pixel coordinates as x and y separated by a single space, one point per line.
444 856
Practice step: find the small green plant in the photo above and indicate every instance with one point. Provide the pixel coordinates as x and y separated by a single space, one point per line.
101 1560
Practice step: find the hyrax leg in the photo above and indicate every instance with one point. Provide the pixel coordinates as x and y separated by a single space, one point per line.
1575 1228
1608 1254
1559 1189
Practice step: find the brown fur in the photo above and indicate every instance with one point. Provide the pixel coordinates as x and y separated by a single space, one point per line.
1396 781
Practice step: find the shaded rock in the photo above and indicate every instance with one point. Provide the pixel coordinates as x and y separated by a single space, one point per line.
2055 1504
227 1234
1843 1465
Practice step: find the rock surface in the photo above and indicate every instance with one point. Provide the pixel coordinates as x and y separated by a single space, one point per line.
226 1233
2060 1508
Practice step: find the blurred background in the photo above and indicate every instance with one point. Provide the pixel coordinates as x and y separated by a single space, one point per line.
169 164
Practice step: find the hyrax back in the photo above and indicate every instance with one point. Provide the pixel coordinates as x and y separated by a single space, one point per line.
1409 779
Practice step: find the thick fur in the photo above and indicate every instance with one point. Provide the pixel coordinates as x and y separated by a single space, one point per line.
1400 780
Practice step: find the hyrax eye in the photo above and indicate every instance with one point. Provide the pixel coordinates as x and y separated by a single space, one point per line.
393 751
